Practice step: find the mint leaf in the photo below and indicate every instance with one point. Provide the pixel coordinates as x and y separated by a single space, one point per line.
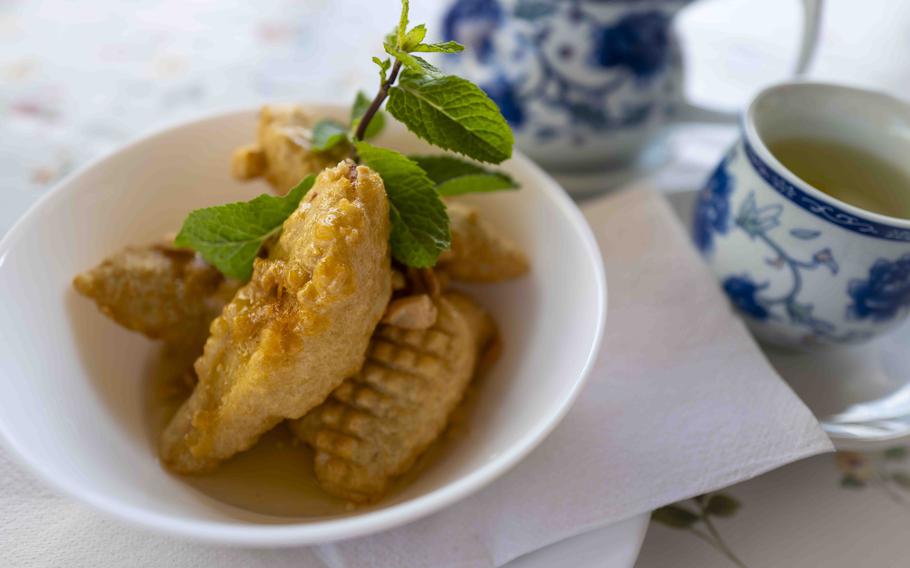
413 38
443 47
414 63
402 22
230 236
674 516
443 168
328 134
421 65
722 505
454 176
361 104
476 183
384 65
451 113
420 224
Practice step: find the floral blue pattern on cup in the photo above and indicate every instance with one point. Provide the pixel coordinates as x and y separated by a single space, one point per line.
712 212
884 294
743 293
759 223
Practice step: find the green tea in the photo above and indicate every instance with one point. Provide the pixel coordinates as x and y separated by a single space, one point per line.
847 173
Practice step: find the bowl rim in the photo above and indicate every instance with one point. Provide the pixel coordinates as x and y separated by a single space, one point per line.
331 529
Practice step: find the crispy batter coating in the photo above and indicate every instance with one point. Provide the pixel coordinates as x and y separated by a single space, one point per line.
160 291
376 424
283 153
297 329
478 252
417 311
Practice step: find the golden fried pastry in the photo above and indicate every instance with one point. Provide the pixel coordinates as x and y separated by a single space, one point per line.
160 291
297 329
283 153
417 311
377 423
478 253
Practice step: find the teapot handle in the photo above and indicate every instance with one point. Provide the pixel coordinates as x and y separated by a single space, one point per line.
812 11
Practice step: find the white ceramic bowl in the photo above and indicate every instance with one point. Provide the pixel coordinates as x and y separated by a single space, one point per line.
72 386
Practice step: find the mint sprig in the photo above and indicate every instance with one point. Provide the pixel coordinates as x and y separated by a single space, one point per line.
454 176
229 236
446 111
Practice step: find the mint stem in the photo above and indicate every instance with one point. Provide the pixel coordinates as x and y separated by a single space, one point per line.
377 101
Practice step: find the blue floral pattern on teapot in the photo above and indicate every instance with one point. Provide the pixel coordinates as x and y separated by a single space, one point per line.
571 75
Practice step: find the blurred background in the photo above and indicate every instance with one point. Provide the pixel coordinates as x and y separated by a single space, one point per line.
79 78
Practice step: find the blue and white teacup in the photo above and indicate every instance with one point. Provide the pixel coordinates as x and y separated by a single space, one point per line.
585 84
802 267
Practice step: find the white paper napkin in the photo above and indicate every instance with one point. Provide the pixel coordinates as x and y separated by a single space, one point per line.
681 402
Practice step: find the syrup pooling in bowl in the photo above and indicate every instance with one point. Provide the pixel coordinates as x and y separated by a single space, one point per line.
275 477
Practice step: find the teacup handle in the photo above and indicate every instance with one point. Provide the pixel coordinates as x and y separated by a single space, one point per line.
812 11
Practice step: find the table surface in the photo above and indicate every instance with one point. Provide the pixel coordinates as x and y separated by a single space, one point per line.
78 79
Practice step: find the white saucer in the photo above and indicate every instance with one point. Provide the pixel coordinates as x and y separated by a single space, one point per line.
861 394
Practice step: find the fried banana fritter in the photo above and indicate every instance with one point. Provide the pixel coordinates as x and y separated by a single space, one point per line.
160 291
376 424
297 329
283 153
478 252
